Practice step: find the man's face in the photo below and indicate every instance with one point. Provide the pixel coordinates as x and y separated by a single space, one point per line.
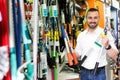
92 19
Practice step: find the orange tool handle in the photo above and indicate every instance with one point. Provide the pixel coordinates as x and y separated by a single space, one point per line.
69 59
75 58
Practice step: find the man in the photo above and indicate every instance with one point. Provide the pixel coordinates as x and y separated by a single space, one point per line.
95 52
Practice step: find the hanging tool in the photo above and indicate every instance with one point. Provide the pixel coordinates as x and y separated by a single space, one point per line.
26 42
13 59
53 15
70 54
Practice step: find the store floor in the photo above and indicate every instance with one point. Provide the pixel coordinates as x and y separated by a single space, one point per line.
74 79
66 76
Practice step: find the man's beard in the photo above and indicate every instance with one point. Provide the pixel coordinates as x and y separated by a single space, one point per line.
92 26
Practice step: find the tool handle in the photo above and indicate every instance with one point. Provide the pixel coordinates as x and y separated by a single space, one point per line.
95 69
83 59
69 56
74 58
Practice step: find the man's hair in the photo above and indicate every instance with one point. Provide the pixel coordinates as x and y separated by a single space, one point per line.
92 10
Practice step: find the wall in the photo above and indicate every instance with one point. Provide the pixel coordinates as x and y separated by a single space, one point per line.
100 6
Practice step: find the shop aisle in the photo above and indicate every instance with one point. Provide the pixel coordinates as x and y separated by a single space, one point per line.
65 75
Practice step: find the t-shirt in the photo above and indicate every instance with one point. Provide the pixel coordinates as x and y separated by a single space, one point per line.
86 45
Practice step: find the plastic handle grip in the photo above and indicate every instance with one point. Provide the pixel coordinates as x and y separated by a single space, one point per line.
63 32
83 59
69 59
75 58
95 69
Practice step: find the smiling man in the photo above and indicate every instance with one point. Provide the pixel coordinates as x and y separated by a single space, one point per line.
86 46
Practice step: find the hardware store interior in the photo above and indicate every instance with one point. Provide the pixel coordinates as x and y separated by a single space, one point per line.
38 37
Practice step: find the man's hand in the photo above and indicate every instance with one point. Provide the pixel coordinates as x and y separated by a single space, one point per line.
70 44
105 42
110 51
